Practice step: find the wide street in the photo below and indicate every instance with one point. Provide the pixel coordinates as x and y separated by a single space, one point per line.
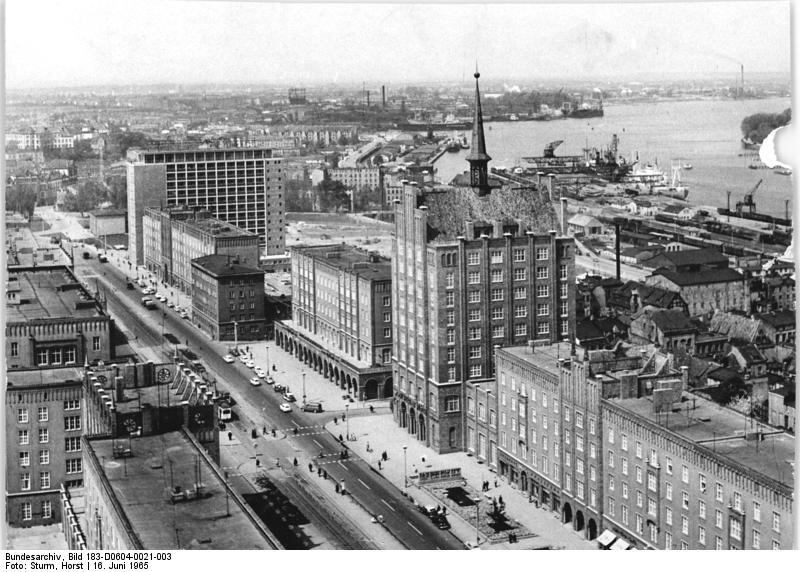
260 405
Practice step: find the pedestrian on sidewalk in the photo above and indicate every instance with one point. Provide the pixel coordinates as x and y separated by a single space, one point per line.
264 430
310 468
495 483
230 436
341 439
335 420
380 468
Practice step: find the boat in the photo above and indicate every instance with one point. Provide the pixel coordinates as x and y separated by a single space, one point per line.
748 143
687 167
453 146
462 139
583 110
783 171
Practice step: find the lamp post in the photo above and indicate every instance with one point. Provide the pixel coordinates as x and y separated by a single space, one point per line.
304 388
236 336
405 473
346 418
477 501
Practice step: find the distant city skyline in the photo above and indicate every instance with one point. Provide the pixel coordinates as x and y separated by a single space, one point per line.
86 43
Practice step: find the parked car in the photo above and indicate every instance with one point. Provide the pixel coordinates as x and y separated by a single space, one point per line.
255 381
228 358
441 522
278 388
313 407
269 380
250 363
129 285
170 304
261 374
86 255
286 408
288 396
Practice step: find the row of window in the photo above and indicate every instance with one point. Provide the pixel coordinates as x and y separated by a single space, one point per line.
496 256
26 510
498 294
474 333
43 412
70 424
72 466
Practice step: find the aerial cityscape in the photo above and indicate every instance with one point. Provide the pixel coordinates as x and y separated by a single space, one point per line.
398 277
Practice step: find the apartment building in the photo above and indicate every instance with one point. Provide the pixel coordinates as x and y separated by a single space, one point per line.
242 186
341 322
43 431
358 178
174 237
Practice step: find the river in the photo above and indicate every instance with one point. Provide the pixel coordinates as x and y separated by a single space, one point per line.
705 134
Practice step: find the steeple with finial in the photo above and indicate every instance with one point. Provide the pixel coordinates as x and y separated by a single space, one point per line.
478 159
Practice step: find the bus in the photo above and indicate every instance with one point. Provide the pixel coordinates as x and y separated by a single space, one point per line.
225 411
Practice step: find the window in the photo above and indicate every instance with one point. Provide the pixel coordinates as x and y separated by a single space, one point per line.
610 431
756 540
474 351
44 435
542 273
669 466
22 415
638 449
639 499
776 545
685 500
475 370
449 299
55 356
27 512
685 474
497 313
624 442
450 280
542 309
450 317
473 258
41 357
43 414
497 257
387 332
47 509
702 483
563 290
387 301
44 457
69 355
542 290
720 492
96 343
473 277
497 295
520 293
639 524
611 482
736 529
541 254
451 404
563 308
519 255
684 525
668 491
475 333
701 535
387 316
718 544
23 437
624 490
701 509
624 466
25 481
498 331
543 328
756 511
563 272
638 475
519 274
668 516
520 329
24 459
72 423
475 315
14 350
451 374
611 459
776 521
718 518
497 275
737 501
44 479
74 466
667 541
611 506
451 336
72 444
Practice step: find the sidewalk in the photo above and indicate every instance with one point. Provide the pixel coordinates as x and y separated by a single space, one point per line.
382 434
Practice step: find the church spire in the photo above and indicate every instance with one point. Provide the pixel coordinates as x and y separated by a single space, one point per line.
477 158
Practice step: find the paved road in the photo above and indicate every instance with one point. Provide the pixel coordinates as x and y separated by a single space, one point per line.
369 489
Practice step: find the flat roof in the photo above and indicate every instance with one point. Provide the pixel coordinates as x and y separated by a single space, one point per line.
47 299
348 258
721 430
218 227
219 265
22 379
141 485
544 357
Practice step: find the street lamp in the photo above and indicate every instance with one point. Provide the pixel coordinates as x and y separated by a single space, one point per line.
236 336
304 389
405 473
346 418
477 501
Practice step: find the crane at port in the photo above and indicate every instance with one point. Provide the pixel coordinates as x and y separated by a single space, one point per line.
550 148
748 201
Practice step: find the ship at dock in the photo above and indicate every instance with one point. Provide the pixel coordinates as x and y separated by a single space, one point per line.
582 110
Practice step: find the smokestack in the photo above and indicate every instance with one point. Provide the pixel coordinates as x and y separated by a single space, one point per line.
616 230
742 67
383 96
563 216
367 99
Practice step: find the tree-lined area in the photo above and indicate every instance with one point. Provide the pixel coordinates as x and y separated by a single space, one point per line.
756 127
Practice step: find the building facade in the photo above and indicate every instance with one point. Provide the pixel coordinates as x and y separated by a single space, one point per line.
103 222
243 187
706 291
228 298
359 178
174 237
342 317
43 443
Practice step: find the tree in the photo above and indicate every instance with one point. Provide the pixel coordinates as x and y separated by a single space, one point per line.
297 198
22 199
118 192
333 196
756 127
88 196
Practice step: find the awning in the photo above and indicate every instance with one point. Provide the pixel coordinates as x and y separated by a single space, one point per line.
620 544
606 538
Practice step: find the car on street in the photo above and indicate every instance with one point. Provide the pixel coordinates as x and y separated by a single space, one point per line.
261 374
255 381
289 396
278 388
171 338
129 285
86 255
441 522
313 407
243 358
161 298
184 314
270 381
250 363
170 304
286 408
228 358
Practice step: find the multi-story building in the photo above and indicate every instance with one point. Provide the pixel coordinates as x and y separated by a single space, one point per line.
359 178
472 268
317 134
52 320
705 291
173 237
612 440
228 298
103 222
43 443
28 139
243 187
341 320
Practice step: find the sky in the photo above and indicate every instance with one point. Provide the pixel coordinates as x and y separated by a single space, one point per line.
52 43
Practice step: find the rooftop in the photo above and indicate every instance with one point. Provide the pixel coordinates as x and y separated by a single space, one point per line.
141 485
722 430
450 207
672 321
17 379
219 265
696 256
782 319
544 357
348 258
48 295
735 326
714 276
108 212
219 228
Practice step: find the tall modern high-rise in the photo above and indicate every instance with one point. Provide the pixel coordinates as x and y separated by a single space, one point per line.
241 186
472 268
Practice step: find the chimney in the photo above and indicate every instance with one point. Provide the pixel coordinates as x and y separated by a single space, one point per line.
564 216
119 389
550 180
617 247
497 229
383 96
470 229
685 377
